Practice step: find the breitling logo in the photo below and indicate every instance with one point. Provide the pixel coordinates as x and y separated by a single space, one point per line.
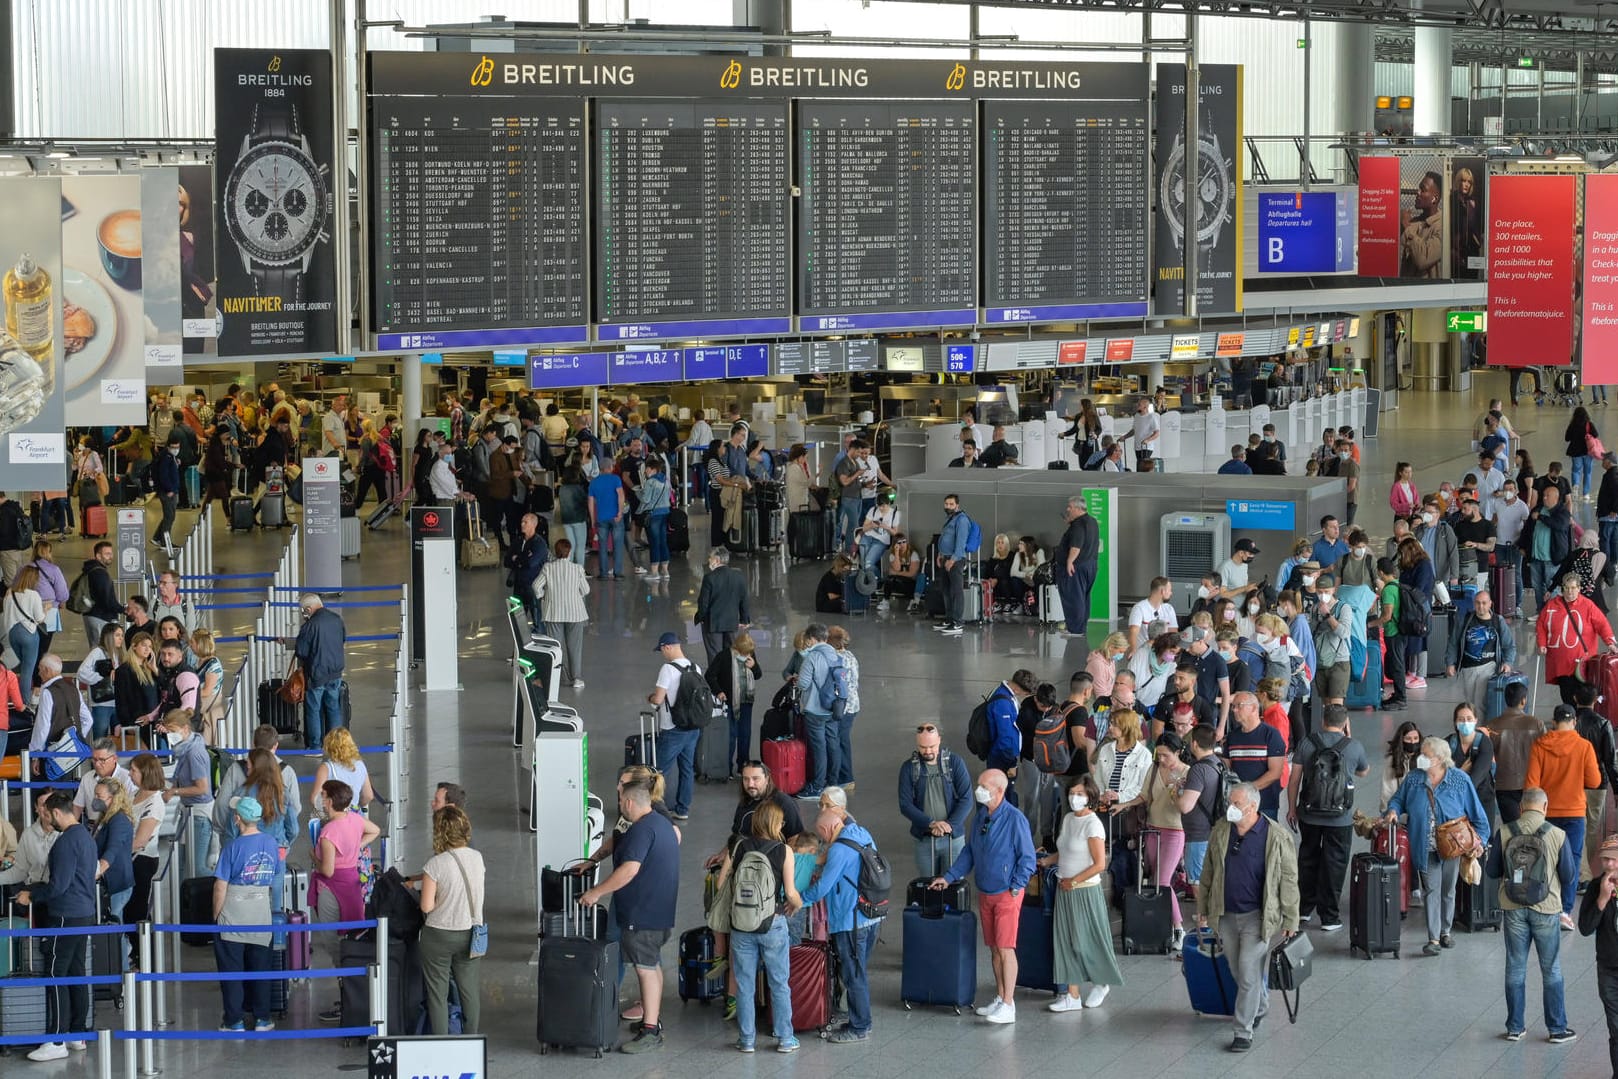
483 74
275 64
732 76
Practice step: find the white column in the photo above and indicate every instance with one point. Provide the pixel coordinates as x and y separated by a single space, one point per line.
1434 56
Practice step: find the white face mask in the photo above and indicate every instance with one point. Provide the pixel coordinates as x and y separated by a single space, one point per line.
982 794
1078 802
1423 762
1234 814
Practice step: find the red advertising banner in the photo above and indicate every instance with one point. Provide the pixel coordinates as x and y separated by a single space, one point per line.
1600 340
1532 274
1070 352
1120 349
1379 217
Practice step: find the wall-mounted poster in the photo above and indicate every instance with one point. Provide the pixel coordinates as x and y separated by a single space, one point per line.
273 177
199 307
33 437
103 312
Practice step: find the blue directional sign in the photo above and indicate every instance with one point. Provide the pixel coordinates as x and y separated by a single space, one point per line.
1302 232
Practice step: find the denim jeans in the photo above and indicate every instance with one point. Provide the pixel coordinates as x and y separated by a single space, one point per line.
853 949
243 997
657 537
845 749
579 536
741 735
935 854
677 760
1581 474
25 642
824 750
1573 828
746 951
610 533
322 711
1545 930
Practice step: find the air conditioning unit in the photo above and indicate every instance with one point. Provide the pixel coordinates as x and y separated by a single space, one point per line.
1191 544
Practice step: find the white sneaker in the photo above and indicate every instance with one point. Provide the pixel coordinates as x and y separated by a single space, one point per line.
1096 995
49 1051
989 1008
1006 1014
1065 1003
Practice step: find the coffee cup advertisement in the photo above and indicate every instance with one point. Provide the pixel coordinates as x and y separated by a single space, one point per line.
102 300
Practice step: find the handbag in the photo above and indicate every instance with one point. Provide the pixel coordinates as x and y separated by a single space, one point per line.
293 686
480 929
1291 963
1453 837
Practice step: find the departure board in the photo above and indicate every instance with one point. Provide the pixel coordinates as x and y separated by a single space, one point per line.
1065 221
693 219
480 222
887 225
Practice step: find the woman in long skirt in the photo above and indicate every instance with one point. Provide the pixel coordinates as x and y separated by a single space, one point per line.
1083 935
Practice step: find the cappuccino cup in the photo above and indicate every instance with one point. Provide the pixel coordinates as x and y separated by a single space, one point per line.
120 241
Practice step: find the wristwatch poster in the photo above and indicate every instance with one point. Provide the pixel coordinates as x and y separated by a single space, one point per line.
1214 162
274 194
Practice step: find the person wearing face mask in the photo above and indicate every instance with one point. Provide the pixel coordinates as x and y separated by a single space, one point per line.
1358 565
1330 626
1473 751
1546 539
1569 630
999 853
1157 606
1152 667
1434 792
1510 514
1102 663
1480 646
1249 893
1082 933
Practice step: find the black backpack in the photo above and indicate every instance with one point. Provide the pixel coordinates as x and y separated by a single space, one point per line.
1415 612
875 882
1525 865
979 739
1327 790
692 706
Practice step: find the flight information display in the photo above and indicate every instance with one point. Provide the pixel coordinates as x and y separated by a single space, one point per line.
1065 221
480 223
887 225
693 229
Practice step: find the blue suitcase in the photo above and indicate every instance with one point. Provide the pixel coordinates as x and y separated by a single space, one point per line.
1367 692
940 960
1207 974
1036 936
1494 701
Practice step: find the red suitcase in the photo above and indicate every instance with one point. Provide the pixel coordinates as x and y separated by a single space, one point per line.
810 979
788 761
95 522
1381 846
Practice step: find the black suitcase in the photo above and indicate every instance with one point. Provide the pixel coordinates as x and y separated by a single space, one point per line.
1148 913
196 908
284 717
242 514
1477 906
578 991
697 981
806 535
679 531
1373 905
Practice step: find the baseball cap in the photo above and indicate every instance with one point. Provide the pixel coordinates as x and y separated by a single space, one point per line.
1247 545
665 641
247 808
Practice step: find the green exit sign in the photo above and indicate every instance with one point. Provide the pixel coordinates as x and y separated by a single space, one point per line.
1525 61
1465 322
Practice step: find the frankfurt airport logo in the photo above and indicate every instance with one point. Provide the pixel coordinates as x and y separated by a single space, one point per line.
957 78
732 76
483 74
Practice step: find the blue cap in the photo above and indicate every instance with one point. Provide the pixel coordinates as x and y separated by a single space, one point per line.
666 640
248 809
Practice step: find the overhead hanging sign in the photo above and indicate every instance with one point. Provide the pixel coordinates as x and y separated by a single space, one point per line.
1531 269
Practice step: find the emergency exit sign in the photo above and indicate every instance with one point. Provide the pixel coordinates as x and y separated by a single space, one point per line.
1465 322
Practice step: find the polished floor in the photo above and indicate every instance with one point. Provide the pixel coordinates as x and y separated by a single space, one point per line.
1441 1016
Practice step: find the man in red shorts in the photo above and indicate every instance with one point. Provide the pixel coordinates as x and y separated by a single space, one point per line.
999 852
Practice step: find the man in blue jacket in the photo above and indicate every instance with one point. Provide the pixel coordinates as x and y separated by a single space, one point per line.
825 752
70 897
999 852
1005 737
935 794
951 556
852 934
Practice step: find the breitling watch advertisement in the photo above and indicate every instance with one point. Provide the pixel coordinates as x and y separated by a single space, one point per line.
1217 187
273 176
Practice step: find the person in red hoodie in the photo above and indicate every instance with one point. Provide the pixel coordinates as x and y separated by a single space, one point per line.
1569 630
1563 765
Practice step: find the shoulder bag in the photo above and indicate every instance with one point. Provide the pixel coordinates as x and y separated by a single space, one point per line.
1291 963
1453 837
480 929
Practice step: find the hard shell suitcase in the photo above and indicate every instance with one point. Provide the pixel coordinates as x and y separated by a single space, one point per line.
1208 978
196 908
713 747
806 535
1477 906
1036 937
1503 587
788 761
242 513
696 964
809 975
1438 643
349 536
939 961
95 522
1148 912
1373 906
679 526
578 988
1494 701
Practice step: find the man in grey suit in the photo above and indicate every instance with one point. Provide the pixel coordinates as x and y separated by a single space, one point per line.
721 603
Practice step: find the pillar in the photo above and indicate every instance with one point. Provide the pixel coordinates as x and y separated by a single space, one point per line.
1354 95
1434 56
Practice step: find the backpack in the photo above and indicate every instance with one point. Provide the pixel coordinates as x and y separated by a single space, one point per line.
1327 790
753 893
1415 612
79 597
1525 865
974 536
834 690
979 739
1052 748
693 701
874 883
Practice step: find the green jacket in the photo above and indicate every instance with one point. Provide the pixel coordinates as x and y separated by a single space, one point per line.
1280 879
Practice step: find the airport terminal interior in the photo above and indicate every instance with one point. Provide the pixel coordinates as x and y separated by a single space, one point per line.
907 223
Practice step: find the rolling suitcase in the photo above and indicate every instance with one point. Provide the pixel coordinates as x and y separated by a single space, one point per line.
641 748
1503 587
697 981
578 987
196 908
1208 979
1477 906
939 961
1148 913
1438 642
95 522
806 535
809 976
788 762
1494 701
1036 936
1373 907
241 513
1393 843
713 747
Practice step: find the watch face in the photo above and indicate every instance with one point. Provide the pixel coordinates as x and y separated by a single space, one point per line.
275 203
